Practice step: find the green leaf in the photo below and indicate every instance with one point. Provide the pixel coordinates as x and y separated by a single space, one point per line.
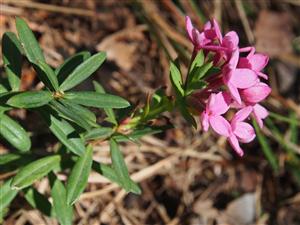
185 113
12 59
13 161
79 176
83 112
71 114
109 112
63 211
140 132
38 201
65 133
35 171
198 61
267 150
196 85
106 171
98 100
30 99
200 72
99 133
83 71
176 79
28 41
70 64
46 75
6 195
121 170
14 133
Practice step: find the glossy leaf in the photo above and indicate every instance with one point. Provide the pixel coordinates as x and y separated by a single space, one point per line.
35 171
121 170
12 59
176 79
6 195
29 42
71 114
99 133
38 201
30 99
98 100
79 176
14 133
109 112
63 211
70 64
65 133
81 111
198 61
83 71
46 75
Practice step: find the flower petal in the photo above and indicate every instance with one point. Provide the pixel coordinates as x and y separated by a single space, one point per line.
259 113
234 93
204 121
235 145
256 93
218 104
241 115
231 40
258 61
244 132
217 30
220 125
189 27
243 78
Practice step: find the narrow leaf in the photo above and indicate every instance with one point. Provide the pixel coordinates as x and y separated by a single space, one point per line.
14 133
83 112
46 75
63 211
98 100
120 168
108 172
70 113
79 176
70 64
35 171
6 195
99 133
198 61
12 59
38 201
267 150
30 99
83 71
65 133
29 42
109 112
176 80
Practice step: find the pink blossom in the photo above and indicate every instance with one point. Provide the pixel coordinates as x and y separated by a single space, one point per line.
255 93
236 78
259 113
237 130
255 62
217 105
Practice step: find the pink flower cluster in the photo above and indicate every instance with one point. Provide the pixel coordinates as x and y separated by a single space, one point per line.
239 85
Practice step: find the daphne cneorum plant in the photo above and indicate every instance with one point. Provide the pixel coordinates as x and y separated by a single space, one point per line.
218 80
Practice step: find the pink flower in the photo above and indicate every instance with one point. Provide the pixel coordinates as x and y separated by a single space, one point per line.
217 105
255 62
236 78
237 130
259 113
255 93
198 39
